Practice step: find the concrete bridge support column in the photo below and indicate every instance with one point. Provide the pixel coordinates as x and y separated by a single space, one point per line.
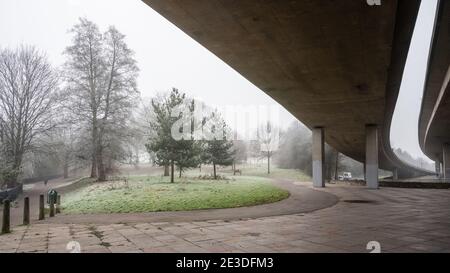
318 157
364 170
437 166
446 161
372 156
395 174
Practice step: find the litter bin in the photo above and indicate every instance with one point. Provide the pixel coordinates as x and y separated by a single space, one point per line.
52 195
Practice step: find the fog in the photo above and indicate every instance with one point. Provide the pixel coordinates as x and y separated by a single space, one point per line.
166 58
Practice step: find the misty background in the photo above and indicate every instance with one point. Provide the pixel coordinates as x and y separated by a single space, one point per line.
168 58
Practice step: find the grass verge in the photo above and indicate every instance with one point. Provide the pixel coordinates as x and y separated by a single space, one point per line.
154 193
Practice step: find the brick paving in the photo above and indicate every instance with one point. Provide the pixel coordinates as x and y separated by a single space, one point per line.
401 220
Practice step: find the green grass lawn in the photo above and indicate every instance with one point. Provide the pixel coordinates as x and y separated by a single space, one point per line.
156 193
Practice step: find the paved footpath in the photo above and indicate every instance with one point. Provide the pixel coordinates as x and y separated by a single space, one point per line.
401 220
32 191
302 199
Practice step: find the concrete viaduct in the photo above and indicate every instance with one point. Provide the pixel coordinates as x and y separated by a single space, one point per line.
434 121
335 65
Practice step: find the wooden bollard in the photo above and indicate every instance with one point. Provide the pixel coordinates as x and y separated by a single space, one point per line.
58 204
52 207
26 211
41 207
6 216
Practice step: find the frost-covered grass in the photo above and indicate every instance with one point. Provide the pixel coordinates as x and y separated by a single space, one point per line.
156 193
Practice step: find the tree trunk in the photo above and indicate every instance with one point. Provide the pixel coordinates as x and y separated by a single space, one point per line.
101 171
94 145
166 170
268 163
94 167
100 165
12 179
109 167
11 182
214 167
137 161
336 166
66 169
181 170
172 167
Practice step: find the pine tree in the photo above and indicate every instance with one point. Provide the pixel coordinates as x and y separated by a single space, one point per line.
189 155
168 151
218 151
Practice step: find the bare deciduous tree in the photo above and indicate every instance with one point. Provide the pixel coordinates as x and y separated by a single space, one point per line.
268 138
101 85
62 146
27 98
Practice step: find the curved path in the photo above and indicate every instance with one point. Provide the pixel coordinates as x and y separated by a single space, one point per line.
302 199
33 190
396 218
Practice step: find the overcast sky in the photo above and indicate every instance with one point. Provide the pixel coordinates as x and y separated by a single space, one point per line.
404 127
169 58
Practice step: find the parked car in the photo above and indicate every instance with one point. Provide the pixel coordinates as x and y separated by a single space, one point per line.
347 176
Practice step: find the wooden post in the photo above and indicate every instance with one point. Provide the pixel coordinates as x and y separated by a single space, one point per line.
58 204
26 211
52 207
41 207
172 167
6 216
